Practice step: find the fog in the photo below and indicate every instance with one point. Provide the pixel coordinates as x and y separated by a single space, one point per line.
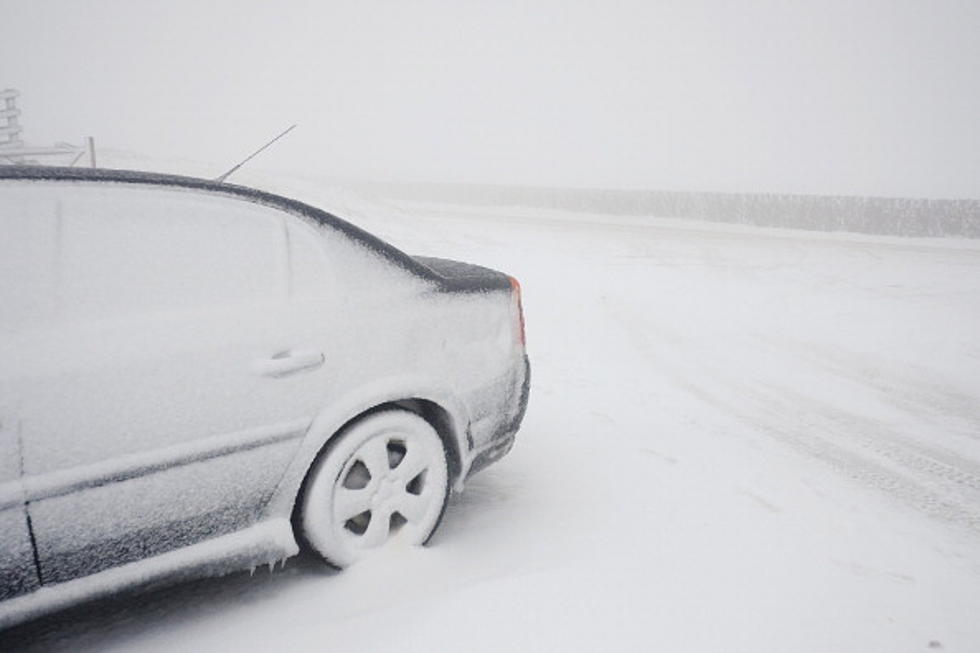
872 98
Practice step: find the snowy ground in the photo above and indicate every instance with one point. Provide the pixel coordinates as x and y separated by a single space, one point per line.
738 440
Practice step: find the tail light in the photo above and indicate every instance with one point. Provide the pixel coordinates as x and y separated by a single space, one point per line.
516 285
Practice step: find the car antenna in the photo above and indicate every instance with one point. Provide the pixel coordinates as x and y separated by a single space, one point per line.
251 156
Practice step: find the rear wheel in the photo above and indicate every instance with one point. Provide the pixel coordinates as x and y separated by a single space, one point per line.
384 479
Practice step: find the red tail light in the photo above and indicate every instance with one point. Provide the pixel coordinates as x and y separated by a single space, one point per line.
516 285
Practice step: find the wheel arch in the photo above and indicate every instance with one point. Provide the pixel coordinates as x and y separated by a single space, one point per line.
442 412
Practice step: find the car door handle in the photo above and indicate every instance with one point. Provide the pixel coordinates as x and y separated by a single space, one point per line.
289 362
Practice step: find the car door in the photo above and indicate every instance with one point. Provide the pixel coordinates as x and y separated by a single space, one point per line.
158 412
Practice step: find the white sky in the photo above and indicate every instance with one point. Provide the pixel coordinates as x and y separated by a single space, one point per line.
869 97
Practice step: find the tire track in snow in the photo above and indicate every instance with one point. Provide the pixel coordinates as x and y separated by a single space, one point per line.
891 444
873 455
858 447
906 389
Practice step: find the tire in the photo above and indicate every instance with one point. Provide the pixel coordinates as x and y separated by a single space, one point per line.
383 479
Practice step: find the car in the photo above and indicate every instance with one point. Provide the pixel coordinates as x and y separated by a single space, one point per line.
198 377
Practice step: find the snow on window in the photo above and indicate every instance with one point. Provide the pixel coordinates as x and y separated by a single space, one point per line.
130 250
28 265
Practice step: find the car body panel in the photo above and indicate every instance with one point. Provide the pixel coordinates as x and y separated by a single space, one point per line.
17 569
265 543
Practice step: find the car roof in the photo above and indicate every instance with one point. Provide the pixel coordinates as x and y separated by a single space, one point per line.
136 177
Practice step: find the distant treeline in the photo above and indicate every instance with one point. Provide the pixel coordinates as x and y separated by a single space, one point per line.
897 216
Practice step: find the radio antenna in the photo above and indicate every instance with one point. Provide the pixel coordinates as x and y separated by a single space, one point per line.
251 156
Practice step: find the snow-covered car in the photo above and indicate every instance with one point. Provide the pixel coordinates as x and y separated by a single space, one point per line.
197 378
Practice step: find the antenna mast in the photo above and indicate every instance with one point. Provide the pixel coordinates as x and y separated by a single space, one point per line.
251 156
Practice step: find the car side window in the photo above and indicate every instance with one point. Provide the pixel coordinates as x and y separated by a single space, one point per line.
28 257
134 249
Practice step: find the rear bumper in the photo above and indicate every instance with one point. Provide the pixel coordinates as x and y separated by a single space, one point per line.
502 431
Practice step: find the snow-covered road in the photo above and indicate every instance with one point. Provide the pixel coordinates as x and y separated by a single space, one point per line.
738 439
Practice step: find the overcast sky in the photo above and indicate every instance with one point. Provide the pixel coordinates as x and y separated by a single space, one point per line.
854 97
